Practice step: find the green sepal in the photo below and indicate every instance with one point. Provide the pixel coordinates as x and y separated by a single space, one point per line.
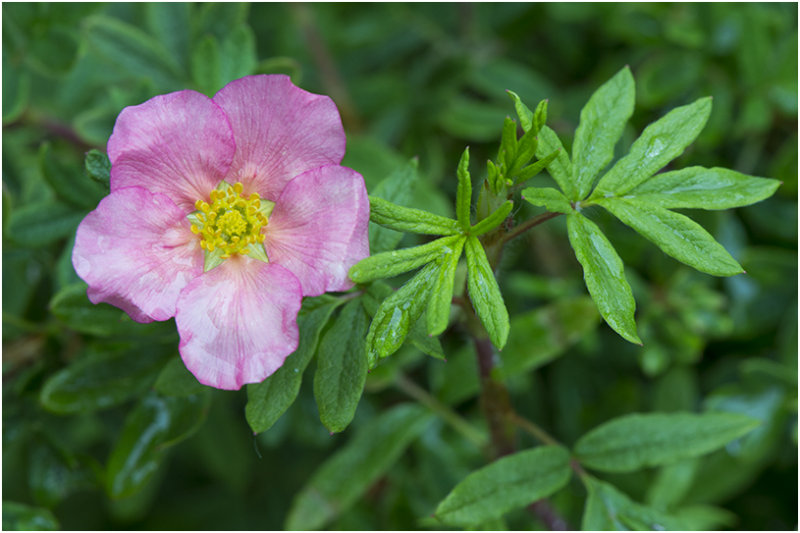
547 197
493 220
485 293
464 191
410 220
389 264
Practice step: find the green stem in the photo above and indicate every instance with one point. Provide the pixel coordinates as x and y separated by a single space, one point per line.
448 415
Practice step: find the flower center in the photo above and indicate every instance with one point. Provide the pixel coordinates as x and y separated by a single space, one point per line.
231 224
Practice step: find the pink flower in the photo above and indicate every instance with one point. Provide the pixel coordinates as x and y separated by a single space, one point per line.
224 213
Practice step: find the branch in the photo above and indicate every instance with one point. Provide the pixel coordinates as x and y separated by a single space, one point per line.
528 224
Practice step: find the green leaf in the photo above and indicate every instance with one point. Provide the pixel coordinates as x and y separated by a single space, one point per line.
608 509
438 313
704 188
540 116
154 425
532 170
67 182
170 23
238 54
539 336
54 472
176 380
347 474
98 167
560 168
604 275
102 378
389 264
410 220
677 235
341 368
494 219
508 483
485 293
636 441
660 142
41 223
508 142
547 197
397 313
398 189
525 115
21 517
205 66
268 400
132 51
602 120
464 191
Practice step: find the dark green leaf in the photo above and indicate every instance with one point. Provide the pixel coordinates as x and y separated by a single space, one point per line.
398 189
154 425
131 50
268 400
677 235
560 168
102 378
395 316
494 219
98 167
704 188
464 191
438 313
508 483
660 142
602 121
54 473
485 293
347 474
170 23
67 182
411 220
547 197
176 380
389 264
604 275
539 336
341 368
206 65
608 509
41 223
636 441
21 517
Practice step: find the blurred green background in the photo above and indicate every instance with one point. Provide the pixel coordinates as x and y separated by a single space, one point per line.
410 80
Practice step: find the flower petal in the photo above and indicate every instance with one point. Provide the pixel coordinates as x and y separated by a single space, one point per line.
281 131
238 322
319 228
179 144
136 251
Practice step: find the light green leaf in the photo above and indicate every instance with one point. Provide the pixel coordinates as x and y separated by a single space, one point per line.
636 441
21 517
704 188
493 220
485 293
347 474
395 316
155 424
604 275
341 368
532 170
508 483
547 197
102 378
608 509
540 116
677 235
602 120
660 142
525 115
132 51
410 220
438 313
268 400
464 191
206 66
560 168
238 54
539 336
389 264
